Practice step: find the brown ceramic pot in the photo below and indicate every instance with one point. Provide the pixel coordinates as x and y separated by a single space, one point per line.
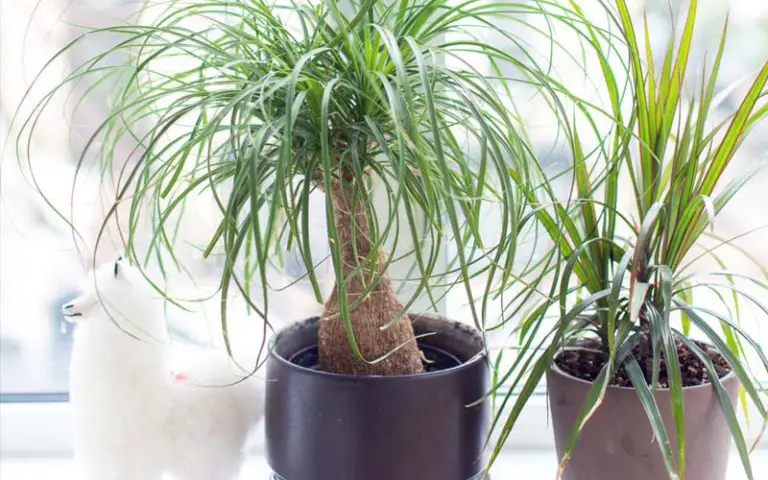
618 443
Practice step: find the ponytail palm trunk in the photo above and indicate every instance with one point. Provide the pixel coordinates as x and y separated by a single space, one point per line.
371 313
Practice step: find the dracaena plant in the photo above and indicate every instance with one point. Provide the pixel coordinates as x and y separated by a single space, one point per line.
624 278
349 97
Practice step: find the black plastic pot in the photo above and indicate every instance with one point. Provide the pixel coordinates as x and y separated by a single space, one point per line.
324 426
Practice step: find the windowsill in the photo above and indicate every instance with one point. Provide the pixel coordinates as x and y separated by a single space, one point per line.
44 430
531 464
528 453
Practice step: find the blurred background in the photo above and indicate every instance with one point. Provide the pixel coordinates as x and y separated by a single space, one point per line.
42 263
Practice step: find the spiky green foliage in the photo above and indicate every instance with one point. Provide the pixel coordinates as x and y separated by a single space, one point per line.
626 272
260 113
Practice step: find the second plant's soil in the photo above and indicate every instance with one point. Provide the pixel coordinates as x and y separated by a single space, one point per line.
587 362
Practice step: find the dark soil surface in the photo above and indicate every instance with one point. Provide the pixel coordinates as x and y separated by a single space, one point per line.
435 359
586 364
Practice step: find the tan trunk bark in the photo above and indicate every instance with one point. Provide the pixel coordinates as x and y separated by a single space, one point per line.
378 308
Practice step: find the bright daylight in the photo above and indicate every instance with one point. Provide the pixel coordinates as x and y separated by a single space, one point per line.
383 239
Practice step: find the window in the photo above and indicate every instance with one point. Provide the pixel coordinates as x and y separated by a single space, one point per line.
40 267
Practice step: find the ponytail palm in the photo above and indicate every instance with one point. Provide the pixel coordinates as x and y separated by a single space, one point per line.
344 99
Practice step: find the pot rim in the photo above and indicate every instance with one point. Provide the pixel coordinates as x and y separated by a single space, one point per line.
481 356
554 368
